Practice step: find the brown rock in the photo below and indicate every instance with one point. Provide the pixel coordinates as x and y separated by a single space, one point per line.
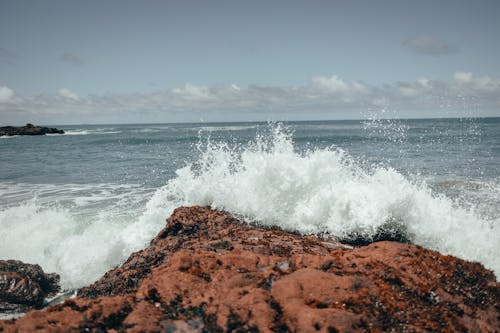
24 286
208 272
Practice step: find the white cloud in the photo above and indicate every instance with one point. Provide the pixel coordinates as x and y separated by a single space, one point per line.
414 89
331 84
462 77
335 86
469 85
429 45
330 96
6 94
68 94
191 92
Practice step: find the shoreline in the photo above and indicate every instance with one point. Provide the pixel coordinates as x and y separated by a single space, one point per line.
207 271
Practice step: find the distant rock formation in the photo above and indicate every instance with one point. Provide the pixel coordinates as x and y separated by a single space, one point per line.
29 129
24 286
208 272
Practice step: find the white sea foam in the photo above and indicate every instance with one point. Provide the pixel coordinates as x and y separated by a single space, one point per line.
99 131
324 190
149 130
78 231
225 128
81 231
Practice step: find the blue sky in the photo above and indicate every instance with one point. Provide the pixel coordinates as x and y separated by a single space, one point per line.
162 61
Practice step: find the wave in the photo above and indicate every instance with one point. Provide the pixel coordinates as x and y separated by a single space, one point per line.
90 132
81 231
149 130
327 191
78 231
225 128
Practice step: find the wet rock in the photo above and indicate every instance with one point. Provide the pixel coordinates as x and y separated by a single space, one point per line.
24 286
208 272
392 230
29 129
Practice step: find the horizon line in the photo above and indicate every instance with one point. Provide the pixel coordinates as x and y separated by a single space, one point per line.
267 121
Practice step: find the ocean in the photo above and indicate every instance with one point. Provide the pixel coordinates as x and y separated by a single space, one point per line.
80 203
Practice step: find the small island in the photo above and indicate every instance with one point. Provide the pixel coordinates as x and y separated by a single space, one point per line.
29 129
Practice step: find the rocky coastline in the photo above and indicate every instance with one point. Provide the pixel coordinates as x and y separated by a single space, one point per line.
206 271
28 129
24 286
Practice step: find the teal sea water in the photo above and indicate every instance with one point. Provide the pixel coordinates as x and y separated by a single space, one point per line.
80 203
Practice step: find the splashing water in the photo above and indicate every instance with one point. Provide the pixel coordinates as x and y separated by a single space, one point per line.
86 232
81 231
326 191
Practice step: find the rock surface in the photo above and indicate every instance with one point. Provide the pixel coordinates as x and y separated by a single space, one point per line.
29 129
24 286
208 272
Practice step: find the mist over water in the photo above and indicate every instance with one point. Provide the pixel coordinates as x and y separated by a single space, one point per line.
80 203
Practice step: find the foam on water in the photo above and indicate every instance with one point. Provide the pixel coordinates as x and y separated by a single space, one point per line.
326 191
81 231
225 128
99 131
78 231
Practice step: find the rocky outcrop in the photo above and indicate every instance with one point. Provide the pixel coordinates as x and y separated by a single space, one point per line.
208 272
24 286
29 129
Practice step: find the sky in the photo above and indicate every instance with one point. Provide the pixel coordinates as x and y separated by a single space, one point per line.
110 61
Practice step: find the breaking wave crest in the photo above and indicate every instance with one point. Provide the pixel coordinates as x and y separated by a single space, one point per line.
81 231
326 191
78 231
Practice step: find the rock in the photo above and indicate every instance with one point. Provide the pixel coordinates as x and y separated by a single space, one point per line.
208 272
24 286
29 129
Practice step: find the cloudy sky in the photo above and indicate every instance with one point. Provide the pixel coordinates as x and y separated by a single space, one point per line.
123 61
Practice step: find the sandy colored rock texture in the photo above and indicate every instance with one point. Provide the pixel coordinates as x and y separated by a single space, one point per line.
208 272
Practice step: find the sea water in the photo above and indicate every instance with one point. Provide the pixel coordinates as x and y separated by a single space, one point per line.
80 203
